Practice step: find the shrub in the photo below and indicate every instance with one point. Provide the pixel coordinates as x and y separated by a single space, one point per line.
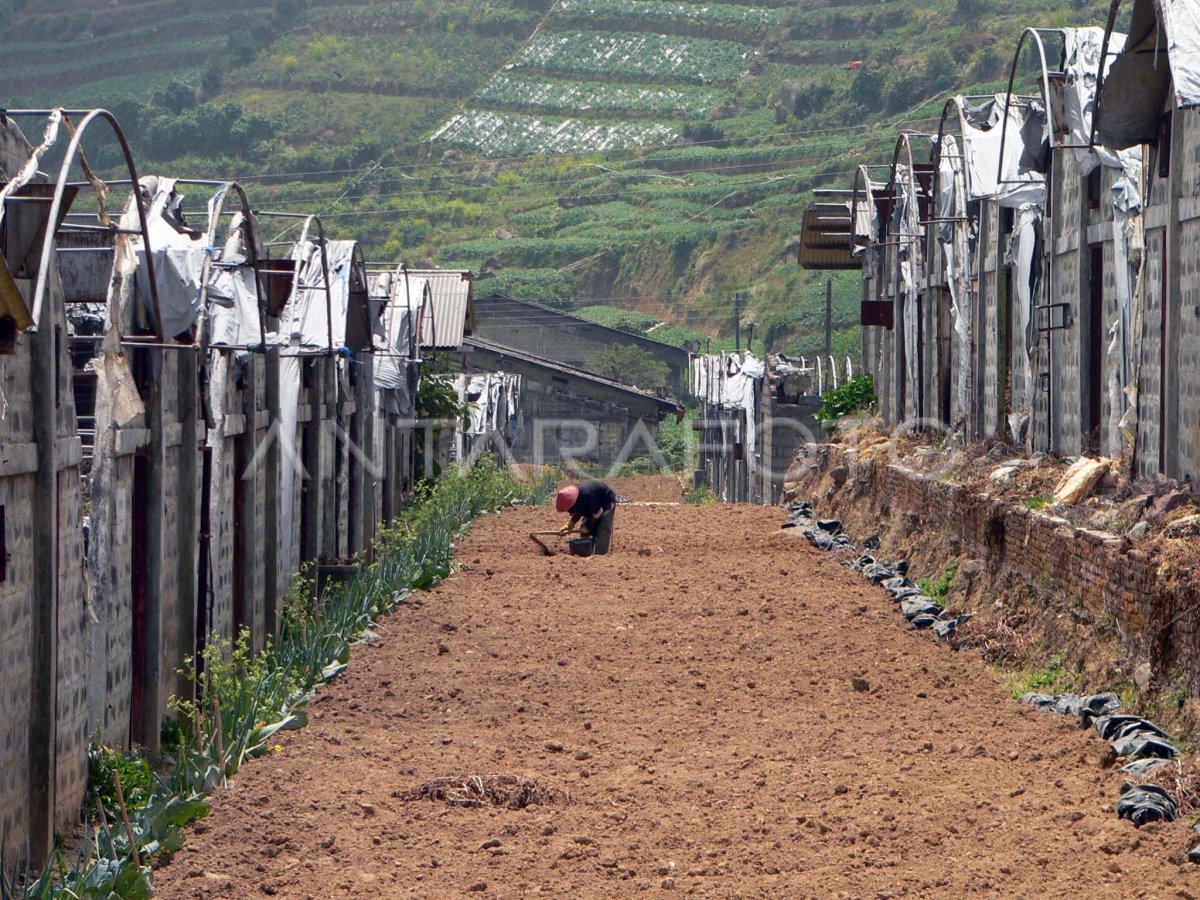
857 393
631 365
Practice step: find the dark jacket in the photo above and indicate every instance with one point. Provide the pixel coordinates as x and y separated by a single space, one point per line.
594 497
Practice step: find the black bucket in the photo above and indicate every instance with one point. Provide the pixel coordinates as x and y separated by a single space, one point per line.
582 546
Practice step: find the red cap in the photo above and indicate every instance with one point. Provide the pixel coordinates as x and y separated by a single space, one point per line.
566 497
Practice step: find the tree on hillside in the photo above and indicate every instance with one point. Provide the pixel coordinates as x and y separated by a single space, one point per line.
630 365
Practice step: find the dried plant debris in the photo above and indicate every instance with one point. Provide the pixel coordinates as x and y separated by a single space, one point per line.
507 791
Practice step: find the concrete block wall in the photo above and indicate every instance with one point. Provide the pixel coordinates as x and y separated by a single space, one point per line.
1185 165
1067 285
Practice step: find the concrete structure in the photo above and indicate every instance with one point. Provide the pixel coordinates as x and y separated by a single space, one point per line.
566 338
186 422
565 413
1004 295
753 415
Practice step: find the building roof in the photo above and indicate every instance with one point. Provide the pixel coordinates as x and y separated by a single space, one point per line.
665 406
1135 88
451 315
626 336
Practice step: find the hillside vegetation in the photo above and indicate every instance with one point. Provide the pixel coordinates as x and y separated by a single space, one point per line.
642 158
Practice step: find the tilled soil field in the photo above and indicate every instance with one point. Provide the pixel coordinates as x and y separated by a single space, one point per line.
732 713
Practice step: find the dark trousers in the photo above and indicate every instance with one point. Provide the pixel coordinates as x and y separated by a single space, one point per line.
601 531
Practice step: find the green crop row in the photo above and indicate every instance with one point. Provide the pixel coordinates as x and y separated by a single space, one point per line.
439 66
629 55
554 96
749 20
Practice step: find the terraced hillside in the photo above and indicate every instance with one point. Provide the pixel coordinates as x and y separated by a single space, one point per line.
639 159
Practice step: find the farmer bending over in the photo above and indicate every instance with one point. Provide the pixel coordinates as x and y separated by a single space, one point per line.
593 502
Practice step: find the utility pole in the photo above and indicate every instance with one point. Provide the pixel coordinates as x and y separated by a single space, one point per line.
737 321
829 317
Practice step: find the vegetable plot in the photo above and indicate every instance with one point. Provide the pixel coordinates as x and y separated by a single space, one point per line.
511 134
626 55
549 95
752 20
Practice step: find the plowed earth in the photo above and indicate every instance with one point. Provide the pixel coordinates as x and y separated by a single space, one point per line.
693 693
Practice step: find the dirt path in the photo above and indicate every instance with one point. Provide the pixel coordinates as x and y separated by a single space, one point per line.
710 737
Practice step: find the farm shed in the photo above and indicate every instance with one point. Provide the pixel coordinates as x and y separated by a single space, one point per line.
567 338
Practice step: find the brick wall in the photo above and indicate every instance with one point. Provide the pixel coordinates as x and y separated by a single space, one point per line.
934 521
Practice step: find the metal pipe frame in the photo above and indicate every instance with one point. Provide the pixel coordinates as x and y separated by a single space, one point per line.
60 186
310 219
216 210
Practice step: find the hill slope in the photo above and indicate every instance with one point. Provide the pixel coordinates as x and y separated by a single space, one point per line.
644 157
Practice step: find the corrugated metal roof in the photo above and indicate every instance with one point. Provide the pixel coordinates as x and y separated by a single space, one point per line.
451 316
825 240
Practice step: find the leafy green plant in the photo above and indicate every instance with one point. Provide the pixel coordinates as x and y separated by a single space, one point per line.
857 393
700 495
938 588
1036 503
105 766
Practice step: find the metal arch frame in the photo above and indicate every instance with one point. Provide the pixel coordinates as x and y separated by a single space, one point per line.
309 220
60 186
216 210
935 156
1113 8
862 171
904 139
1036 34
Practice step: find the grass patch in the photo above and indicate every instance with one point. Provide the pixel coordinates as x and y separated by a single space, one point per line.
1037 503
1052 678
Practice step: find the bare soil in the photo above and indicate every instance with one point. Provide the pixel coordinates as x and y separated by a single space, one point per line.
732 713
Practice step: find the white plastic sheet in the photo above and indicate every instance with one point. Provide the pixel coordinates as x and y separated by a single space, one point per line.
1021 179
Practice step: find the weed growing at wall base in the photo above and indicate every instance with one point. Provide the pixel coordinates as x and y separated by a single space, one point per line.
244 699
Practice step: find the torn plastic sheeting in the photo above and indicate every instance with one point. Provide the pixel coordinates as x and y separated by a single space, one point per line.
306 317
897 583
1081 62
1021 180
1144 803
954 232
1141 746
1144 767
232 314
1110 728
403 298
1023 254
947 627
906 227
915 606
178 251
1182 18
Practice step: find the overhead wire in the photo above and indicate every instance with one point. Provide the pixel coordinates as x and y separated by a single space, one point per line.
585 155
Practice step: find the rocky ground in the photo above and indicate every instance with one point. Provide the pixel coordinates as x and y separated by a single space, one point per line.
732 713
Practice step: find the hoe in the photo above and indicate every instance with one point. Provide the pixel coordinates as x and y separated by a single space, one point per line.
579 546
